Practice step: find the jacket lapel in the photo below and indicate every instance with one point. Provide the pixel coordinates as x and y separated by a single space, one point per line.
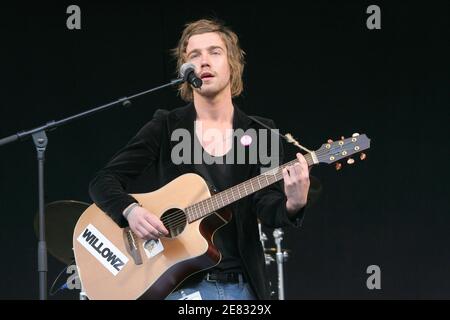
241 172
183 118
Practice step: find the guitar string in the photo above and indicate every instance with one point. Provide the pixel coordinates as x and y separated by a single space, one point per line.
217 198
220 194
177 219
180 220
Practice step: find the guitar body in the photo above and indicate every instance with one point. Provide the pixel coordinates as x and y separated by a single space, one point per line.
109 268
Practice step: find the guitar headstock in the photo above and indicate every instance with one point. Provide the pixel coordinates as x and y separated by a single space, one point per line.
334 151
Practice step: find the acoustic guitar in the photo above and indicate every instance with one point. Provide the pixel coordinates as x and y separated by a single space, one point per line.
113 263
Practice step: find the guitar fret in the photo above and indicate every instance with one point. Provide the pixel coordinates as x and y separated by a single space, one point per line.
210 205
191 213
200 210
223 202
188 214
225 195
204 207
217 205
195 207
213 203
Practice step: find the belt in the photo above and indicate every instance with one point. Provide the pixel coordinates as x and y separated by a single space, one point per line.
224 277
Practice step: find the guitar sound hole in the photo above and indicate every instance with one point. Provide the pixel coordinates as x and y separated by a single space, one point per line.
175 221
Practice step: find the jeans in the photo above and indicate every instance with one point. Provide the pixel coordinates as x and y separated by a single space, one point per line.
215 290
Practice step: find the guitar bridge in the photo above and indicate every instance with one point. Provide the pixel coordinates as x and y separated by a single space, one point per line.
133 249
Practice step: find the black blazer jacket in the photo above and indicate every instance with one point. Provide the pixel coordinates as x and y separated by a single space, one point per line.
151 149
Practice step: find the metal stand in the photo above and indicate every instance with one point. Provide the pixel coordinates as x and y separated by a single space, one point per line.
263 238
83 295
40 141
281 256
278 236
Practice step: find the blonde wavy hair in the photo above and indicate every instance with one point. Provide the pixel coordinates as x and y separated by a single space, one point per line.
235 53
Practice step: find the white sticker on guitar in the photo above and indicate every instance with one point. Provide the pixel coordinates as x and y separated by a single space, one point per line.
153 247
193 296
102 249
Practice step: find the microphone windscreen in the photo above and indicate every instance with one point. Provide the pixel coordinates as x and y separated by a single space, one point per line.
186 68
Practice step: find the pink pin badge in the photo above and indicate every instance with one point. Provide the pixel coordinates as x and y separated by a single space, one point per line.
246 140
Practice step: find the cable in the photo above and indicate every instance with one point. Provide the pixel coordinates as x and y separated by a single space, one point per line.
64 286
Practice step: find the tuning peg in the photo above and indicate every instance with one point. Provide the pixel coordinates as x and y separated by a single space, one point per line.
350 161
355 135
362 156
338 166
329 141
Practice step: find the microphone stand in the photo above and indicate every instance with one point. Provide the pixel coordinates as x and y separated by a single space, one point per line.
40 141
278 236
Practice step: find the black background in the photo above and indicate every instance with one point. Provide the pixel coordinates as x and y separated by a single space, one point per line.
314 68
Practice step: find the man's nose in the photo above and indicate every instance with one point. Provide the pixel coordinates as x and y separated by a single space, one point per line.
204 61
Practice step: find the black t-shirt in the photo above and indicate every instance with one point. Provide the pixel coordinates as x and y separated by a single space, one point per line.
218 175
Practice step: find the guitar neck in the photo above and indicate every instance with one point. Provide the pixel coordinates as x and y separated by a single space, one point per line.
222 199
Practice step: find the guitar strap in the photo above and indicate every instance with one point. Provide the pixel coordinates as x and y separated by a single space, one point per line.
203 171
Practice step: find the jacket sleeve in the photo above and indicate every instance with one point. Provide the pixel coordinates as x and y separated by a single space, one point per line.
270 202
108 188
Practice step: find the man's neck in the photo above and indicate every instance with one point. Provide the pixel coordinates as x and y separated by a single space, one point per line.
215 109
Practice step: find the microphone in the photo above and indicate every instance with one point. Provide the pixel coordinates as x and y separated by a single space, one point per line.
187 72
